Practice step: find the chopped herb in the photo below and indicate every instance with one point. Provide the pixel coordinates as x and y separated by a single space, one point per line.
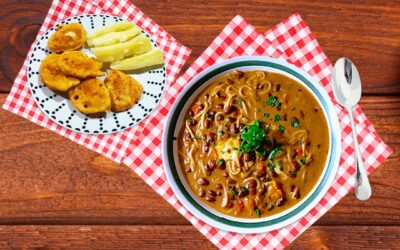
196 137
266 115
189 119
280 162
253 138
303 162
271 100
219 131
274 152
220 162
301 142
293 173
270 207
233 192
238 101
296 123
271 165
278 104
277 118
208 116
257 211
281 129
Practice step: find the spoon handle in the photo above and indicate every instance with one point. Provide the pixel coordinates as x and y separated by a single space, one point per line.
363 188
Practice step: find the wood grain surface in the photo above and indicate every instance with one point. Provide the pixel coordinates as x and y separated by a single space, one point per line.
55 193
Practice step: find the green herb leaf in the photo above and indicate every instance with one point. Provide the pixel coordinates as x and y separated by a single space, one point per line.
274 152
219 131
266 115
208 116
294 173
270 207
281 129
239 101
253 138
196 137
220 162
271 100
233 192
257 211
189 119
303 162
271 165
277 118
296 123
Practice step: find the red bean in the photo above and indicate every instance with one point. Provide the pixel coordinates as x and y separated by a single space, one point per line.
211 193
203 181
297 194
261 191
246 157
251 184
210 199
212 137
295 166
212 164
187 138
225 174
281 201
230 120
206 148
202 193
219 117
231 181
191 113
188 170
229 109
219 106
192 122
272 173
218 186
207 123
243 192
292 188
234 129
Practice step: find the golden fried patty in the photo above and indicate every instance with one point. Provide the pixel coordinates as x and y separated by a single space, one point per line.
124 90
67 37
90 97
78 64
52 76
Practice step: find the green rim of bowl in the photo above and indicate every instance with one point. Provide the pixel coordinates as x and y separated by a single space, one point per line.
179 107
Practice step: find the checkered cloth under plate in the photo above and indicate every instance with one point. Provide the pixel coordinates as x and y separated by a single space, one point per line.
113 145
292 41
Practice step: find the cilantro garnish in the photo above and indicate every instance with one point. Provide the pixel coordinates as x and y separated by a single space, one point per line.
253 139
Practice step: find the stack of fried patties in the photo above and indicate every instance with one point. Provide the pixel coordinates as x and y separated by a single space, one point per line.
70 70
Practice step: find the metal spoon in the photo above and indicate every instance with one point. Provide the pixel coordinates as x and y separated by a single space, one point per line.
346 86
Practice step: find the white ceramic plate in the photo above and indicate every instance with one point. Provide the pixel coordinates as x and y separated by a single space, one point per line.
174 172
59 109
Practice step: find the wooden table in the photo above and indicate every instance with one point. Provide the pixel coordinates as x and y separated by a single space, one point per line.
55 193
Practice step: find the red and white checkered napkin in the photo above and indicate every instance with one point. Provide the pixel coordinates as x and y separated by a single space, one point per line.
292 41
113 145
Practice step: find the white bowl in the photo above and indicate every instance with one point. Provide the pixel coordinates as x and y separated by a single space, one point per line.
174 173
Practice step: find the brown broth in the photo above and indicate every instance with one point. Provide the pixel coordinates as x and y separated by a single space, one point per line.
218 126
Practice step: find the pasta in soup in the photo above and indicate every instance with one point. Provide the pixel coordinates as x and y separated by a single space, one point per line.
253 144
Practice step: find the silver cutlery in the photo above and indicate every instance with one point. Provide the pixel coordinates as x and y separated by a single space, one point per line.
346 86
